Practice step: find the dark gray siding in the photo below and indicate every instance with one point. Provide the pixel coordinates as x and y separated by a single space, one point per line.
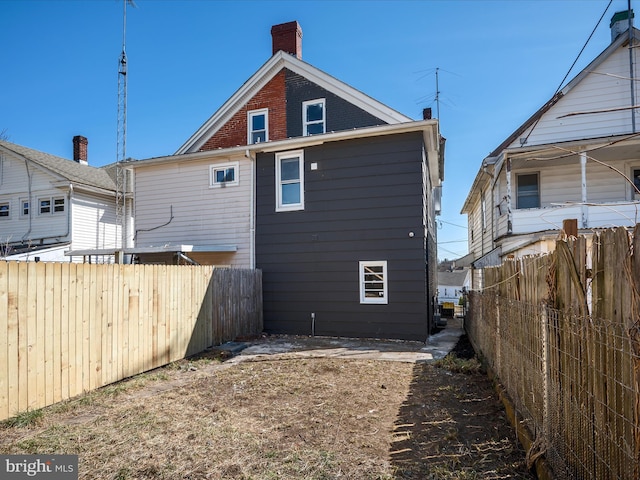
340 114
360 204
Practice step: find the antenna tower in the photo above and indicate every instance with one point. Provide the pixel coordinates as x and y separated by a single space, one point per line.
121 151
437 96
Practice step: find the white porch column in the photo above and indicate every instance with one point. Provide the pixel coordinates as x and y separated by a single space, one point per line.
509 211
585 208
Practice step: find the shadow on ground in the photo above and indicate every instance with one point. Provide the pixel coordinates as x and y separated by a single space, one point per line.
452 426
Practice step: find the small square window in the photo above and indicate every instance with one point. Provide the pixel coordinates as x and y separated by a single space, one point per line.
4 210
373 282
223 175
313 117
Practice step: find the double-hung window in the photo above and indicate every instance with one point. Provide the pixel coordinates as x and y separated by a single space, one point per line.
50 205
258 126
528 193
313 117
5 210
223 175
289 181
24 207
373 282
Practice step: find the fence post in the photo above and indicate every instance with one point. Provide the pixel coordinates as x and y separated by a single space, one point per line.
544 323
498 334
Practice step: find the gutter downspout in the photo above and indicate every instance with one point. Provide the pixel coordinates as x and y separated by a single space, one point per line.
252 226
26 166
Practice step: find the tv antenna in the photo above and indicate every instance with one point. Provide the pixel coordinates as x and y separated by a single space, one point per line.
121 150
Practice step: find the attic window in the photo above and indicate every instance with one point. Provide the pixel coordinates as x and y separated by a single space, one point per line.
258 126
313 117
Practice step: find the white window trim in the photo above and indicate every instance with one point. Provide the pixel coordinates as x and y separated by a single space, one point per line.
22 202
52 205
250 115
385 278
8 204
634 194
280 207
537 174
224 166
304 116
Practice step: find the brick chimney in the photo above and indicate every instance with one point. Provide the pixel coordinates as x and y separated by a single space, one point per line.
80 149
288 38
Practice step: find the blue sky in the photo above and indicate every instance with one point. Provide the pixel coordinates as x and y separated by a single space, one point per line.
497 61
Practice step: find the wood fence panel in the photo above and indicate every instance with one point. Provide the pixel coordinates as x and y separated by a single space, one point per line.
588 350
4 345
71 328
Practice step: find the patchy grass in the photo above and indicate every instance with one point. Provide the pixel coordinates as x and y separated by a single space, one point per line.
286 418
459 365
28 418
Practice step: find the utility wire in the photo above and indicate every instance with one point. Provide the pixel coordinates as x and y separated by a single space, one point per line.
570 68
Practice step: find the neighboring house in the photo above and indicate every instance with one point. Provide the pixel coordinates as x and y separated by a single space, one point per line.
575 159
452 286
50 205
331 193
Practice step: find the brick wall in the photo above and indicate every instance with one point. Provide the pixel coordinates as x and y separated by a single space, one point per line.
234 132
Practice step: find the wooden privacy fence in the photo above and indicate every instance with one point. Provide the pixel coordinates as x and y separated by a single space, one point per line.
71 328
561 333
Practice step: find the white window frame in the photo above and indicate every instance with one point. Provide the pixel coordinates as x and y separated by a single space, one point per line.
22 212
518 193
280 205
634 195
6 204
56 205
305 123
250 131
362 269
213 169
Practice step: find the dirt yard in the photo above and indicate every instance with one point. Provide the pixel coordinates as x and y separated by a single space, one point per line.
288 418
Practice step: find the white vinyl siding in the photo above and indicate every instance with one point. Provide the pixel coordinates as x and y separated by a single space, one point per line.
603 89
373 282
289 181
177 197
94 222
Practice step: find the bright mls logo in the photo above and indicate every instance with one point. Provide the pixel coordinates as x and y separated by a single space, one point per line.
51 467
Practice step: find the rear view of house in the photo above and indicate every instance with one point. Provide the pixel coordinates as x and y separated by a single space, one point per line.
331 193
